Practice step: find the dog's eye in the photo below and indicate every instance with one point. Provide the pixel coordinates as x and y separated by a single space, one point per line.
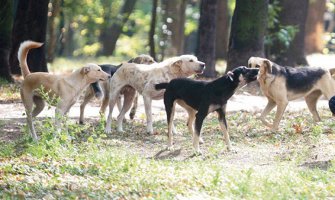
258 66
191 60
99 70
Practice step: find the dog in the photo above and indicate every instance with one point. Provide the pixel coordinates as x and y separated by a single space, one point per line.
199 98
331 104
67 88
102 89
143 78
283 84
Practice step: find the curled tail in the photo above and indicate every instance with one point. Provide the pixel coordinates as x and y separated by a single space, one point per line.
22 55
161 86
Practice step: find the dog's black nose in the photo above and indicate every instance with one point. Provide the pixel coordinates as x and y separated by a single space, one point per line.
109 76
202 66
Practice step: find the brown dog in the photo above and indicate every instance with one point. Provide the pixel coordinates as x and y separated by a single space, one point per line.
66 87
283 84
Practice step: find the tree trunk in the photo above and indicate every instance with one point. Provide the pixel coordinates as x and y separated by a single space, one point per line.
294 13
110 37
247 32
6 23
314 27
152 29
206 39
53 24
174 19
222 29
30 23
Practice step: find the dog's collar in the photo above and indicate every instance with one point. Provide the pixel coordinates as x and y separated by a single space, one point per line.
230 75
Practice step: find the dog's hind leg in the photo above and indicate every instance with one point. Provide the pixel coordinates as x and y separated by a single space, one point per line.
147 106
39 105
104 104
170 109
88 96
271 104
134 108
311 101
223 124
112 101
128 100
27 100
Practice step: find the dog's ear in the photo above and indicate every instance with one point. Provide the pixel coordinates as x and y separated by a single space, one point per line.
85 70
137 60
268 65
176 66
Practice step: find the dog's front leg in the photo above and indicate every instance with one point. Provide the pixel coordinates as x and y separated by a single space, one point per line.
271 104
31 125
112 102
147 105
280 111
199 119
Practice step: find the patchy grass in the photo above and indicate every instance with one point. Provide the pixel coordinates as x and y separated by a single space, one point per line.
9 92
296 162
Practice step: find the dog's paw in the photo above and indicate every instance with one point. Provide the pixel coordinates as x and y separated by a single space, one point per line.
201 141
108 130
98 95
197 152
120 129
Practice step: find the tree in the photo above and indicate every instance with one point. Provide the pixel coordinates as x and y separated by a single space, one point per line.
294 13
248 28
206 39
152 29
314 27
6 23
110 35
30 23
52 29
174 19
222 29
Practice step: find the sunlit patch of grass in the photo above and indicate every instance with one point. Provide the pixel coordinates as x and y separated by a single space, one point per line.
9 92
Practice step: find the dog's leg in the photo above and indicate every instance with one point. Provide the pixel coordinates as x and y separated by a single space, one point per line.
281 106
112 101
128 100
39 105
104 104
190 123
88 96
224 127
118 103
134 108
147 105
27 100
271 104
199 119
311 101
170 110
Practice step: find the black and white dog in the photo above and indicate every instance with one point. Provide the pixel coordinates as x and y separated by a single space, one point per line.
200 98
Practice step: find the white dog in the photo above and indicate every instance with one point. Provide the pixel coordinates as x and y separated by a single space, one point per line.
143 78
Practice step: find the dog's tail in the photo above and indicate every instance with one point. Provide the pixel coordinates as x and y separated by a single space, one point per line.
23 53
161 86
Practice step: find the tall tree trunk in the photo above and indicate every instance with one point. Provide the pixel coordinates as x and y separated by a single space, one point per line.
110 37
52 29
30 23
314 27
206 39
6 23
294 13
222 29
247 32
152 29
174 19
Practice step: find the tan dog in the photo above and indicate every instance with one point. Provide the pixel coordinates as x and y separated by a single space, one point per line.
66 87
143 78
105 87
283 84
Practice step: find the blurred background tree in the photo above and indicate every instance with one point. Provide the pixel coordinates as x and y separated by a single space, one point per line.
115 30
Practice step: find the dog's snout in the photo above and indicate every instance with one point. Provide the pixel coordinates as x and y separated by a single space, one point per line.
109 76
202 65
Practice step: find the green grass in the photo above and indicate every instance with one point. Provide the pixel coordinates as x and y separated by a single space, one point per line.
87 164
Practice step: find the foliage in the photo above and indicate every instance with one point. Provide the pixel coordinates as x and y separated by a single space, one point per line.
279 36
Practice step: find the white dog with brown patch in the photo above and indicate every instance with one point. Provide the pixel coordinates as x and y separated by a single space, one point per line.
144 78
66 87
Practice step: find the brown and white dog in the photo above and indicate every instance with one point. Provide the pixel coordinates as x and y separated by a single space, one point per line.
283 84
66 87
144 78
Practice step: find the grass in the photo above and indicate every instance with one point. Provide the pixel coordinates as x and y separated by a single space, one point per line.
296 162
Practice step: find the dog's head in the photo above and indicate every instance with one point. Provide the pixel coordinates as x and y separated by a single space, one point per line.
243 74
264 65
142 59
188 64
94 73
